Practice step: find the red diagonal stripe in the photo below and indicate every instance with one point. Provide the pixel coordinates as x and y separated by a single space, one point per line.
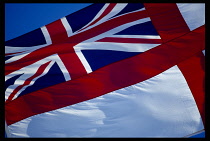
71 61
106 11
167 20
130 40
28 81
37 55
106 26
108 78
72 64
57 31
73 40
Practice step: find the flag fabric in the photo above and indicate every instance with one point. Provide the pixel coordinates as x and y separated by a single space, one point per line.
109 70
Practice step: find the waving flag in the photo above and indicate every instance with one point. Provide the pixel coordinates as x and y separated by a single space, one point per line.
109 70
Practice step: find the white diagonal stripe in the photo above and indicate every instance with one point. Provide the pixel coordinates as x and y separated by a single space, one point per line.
127 47
66 26
137 36
46 35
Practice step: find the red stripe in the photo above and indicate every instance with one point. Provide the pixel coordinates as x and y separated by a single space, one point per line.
57 31
27 81
167 20
30 58
108 78
193 70
170 24
71 61
106 11
106 26
73 40
73 64
130 40
65 52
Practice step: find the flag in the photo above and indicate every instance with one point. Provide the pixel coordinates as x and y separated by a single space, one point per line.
109 70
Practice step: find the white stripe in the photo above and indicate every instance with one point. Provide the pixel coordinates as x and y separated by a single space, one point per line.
162 106
33 80
117 9
30 70
10 49
127 47
33 67
66 26
46 35
62 67
8 91
96 17
112 13
137 36
125 13
27 73
83 60
80 46
15 58
193 14
99 13
203 52
116 30
26 50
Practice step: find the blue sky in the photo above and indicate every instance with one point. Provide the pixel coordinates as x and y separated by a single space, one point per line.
21 18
